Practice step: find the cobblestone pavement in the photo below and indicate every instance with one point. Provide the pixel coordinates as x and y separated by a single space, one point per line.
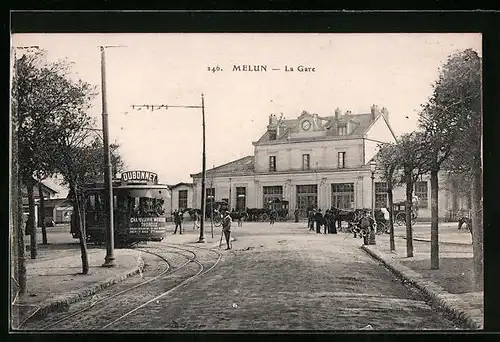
285 277
453 282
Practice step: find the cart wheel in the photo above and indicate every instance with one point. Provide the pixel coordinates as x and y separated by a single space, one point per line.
264 217
381 228
400 219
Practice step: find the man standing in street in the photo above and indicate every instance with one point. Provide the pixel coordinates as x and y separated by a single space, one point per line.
178 221
318 218
226 227
296 213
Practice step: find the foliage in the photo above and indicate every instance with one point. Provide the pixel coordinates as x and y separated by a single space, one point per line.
447 120
411 157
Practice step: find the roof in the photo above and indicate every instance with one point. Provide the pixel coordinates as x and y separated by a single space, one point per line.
180 184
242 165
57 183
362 123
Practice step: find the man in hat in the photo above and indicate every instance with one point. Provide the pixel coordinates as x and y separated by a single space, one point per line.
178 221
226 227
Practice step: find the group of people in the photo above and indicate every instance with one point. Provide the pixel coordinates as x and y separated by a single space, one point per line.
316 219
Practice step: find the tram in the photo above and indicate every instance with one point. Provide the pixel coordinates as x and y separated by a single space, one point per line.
138 209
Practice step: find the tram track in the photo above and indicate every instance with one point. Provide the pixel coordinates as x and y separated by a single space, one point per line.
202 271
117 306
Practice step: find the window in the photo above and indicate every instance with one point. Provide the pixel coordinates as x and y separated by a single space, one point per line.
306 161
342 129
421 193
241 193
272 163
380 195
271 193
183 199
343 195
272 135
341 159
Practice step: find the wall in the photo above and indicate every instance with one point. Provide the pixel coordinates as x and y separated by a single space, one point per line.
323 154
174 201
378 132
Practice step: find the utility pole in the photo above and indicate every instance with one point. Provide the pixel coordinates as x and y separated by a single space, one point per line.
109 260
203 162
212 202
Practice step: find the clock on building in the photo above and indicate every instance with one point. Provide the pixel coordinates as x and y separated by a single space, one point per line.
306 125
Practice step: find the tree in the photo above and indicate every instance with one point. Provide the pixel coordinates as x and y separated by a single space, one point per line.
387 158
457 98
410 155
117 163
41 95
442 122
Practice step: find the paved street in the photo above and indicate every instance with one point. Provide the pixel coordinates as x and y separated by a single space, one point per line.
282 277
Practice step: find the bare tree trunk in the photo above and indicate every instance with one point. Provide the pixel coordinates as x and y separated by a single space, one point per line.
409 233
31 220
477 224
434 221
42 213
81 229
391 216
21 248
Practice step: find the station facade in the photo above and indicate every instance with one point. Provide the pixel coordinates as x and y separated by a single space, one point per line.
311 161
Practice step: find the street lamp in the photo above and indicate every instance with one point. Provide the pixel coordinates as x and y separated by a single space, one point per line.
373 167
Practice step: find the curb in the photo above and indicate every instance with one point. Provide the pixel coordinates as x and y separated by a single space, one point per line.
444 242
62 303
434 292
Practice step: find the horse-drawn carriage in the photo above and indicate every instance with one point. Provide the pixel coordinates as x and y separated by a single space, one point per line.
399 213
281 208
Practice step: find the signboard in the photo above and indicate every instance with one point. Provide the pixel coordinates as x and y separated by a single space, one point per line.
145 177
147 225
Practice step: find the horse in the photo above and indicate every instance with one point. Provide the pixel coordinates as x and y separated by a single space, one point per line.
351 217
465 220
237 215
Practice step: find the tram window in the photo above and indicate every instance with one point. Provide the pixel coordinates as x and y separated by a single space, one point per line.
146 206
91 202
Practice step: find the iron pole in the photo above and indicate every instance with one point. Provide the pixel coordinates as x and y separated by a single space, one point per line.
203 166
109 260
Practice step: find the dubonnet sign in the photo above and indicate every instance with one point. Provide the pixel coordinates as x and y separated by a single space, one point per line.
140 177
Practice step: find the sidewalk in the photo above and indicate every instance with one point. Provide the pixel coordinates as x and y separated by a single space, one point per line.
54 279
451 286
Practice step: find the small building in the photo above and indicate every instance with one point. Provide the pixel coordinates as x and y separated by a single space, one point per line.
181 196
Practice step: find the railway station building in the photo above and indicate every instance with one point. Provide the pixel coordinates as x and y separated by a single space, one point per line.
312 161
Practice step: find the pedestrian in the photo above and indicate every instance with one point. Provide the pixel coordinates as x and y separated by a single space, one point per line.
178 221
296 213
318 218
326 222
310 219
271 216
226 227
196 221
240 219
332 223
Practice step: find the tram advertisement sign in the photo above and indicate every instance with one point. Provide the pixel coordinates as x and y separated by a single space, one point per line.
147 225
139 176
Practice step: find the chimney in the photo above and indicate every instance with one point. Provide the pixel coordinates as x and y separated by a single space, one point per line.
374 111
337 114
385 113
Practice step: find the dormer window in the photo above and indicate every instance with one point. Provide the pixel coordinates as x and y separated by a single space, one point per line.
272 135
342 129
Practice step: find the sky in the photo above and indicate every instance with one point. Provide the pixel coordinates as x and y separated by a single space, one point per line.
351 71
